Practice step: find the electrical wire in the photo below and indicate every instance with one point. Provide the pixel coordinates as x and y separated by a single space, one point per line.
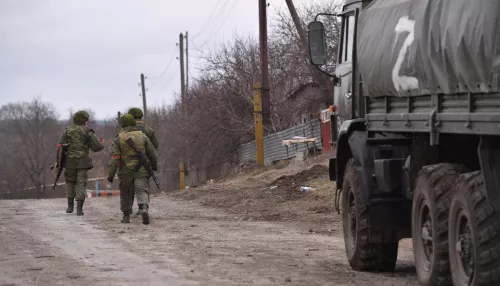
216 22
168 66
216 30
209 19
171 76
223 21
218 17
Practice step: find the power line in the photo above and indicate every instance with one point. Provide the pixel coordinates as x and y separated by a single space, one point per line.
170 77
216 30
171 56
209 19
222 18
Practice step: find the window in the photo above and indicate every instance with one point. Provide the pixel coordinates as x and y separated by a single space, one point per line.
348 38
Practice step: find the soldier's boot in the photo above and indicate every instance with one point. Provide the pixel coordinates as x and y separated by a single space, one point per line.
144 213
71 205
79 207
126 217
138 210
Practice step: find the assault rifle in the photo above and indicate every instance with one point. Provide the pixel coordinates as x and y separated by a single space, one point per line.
60 163
143 161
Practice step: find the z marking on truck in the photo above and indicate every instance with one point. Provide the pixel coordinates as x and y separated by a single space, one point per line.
403 83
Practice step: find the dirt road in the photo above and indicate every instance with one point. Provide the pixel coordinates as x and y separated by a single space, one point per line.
185 245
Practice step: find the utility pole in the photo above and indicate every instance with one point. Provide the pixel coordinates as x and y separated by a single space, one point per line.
325 83
264 62
187 65
259 127
183 107
298 25
144 98
181 64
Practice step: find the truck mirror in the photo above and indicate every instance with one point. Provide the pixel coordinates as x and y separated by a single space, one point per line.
317 43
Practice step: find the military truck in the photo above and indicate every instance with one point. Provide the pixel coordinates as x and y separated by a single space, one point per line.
416 131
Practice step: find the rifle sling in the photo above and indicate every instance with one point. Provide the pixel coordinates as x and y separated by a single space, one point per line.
139 163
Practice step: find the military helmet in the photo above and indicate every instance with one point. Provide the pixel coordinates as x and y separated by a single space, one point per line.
127 120
80 117
136 112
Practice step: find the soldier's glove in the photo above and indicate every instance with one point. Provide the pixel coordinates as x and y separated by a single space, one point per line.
110 179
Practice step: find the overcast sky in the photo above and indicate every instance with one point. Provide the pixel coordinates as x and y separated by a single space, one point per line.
89 54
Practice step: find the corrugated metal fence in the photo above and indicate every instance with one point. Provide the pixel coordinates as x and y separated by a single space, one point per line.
275 151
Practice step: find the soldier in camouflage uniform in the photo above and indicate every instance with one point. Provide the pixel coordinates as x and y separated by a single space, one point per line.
137 114
125 160
79 139
150 133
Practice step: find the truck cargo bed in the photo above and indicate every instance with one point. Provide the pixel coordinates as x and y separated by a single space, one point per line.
459 114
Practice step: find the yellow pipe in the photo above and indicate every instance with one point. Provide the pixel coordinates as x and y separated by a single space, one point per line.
182 184
259 127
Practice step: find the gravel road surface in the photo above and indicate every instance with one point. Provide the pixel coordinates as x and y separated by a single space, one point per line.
186 244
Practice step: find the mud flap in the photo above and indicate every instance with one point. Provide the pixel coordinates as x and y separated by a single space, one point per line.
489 159
388 216
332 169
364 162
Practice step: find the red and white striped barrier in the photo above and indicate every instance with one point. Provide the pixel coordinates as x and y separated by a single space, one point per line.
93 194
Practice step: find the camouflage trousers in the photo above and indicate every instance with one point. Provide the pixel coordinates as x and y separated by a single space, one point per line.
129 186
133 196
76 183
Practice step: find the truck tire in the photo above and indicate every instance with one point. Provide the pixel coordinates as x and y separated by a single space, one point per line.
431 204
362 254
474 234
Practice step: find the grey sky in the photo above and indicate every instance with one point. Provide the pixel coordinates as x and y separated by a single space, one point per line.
89 54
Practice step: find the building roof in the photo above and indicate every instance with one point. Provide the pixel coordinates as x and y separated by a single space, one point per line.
302 87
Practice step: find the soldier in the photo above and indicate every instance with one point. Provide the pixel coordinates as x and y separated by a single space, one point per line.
137 114
150 133
125 160
79 139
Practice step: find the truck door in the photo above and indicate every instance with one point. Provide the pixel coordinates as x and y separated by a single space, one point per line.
344 93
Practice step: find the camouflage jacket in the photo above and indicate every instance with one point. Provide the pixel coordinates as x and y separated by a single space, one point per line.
123 157
79 139
150 132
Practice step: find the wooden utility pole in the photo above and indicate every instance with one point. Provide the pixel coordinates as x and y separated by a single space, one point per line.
259 126
183 107
325 83
264 62
187 65
181 64
298 25
144 98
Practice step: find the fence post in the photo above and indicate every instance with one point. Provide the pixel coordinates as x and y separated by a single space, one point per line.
181 175
259 128
96 188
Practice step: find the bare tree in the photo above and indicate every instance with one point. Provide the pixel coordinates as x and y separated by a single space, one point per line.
12 174
32 126
300 35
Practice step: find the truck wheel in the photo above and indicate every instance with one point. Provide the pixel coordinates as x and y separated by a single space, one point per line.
474 234
431 203
362 255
